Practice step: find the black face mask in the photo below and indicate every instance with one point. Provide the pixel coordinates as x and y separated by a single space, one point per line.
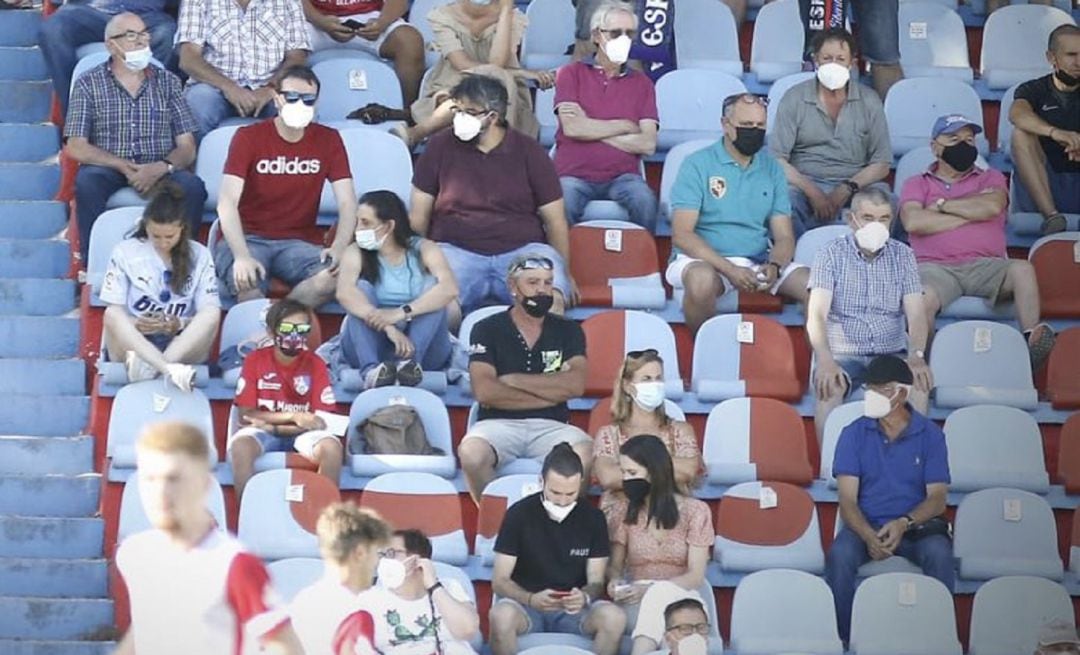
537 306
636 489
748 140
960 156
1065 78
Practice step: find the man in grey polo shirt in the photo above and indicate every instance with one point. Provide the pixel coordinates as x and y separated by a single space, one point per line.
830 135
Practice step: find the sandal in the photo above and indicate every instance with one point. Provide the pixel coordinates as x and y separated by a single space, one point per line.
1053 223
1041 340
373 113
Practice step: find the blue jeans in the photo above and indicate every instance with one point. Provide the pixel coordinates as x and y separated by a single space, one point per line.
210 108
94 185
76 24
364 348
630 190
933 554
877 25
482 278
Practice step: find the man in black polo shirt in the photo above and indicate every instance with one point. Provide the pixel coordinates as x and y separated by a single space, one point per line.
550 559
1046 141
524 364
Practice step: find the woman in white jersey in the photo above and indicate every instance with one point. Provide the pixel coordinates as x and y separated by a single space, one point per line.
161 289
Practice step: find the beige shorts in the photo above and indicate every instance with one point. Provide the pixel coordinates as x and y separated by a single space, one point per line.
983 278
675 270
528 437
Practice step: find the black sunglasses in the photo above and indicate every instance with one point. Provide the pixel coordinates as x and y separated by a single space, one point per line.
294 96
638 354
748 98
614 34
531 264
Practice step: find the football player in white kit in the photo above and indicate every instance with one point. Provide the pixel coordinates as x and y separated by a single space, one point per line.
161 290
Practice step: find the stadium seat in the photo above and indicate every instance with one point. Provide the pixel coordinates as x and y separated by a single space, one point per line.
708 37
95 57
425 502
616 265
1057 268
349 84
610 335
1005 532
1074 544
1030 223
459 366
776 93
140 403
689 102
434 416
994 446
731 361
133 517
1014 43
784 611
244 328
210 163
752 535
903 614
418 18
838 419
112 227
982 362
498 496
600 414
549 34
1068 455
670 171
755 439
914 104
352 54
279 511
270 461
377 160
777 47
812 240
1008 613
1005 126
544 106
288 576
933 42
1062 380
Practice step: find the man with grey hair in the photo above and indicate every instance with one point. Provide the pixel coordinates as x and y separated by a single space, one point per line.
863 287
731 222
607 121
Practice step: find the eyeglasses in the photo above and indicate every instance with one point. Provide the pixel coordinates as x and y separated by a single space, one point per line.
166 281
614 34
131 36
687 629
748 98
532 264
638 354
293 328
391 553
476 113
295 96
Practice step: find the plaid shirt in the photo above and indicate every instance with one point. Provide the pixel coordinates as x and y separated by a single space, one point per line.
246 46
867 312
141 128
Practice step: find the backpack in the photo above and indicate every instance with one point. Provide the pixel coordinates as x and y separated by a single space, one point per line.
392 430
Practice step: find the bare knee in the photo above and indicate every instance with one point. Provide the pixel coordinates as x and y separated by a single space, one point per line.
608 618
328 452
475 454
404 44
506 620
701 283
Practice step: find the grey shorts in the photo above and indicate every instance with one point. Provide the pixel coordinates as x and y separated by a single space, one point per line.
528 437
983 277
289 260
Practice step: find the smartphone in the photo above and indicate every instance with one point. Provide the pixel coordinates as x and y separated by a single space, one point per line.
561 594
353 24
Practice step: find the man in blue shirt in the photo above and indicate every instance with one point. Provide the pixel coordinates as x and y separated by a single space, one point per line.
892 470
729 201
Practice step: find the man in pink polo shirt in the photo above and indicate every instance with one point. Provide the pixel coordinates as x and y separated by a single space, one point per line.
954 213
607 122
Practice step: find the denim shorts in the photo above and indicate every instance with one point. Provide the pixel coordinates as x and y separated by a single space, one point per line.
482 278
289 260
560 622
878 31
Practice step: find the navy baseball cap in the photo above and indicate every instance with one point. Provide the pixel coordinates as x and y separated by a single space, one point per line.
884 369
951 124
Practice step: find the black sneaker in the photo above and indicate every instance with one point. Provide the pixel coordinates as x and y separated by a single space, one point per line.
379 376
409 373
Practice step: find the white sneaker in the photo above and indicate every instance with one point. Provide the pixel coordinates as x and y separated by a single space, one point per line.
182 375
138 369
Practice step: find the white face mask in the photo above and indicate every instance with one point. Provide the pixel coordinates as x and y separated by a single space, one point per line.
695 644
649 395
876 405
833 76
367 240
872 236
618 49
467 126
137 60
558 513
390 573
296 115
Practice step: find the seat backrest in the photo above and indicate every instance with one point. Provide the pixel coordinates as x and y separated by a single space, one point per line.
812 240
1006 532
378 160
600 414
750 537
1074 543
421 501
912 106
1013 38
288 576
591 262
133 516
932 34
351 84
760 436
210 163
1009 611
93 59
903 608
1068 455
430 408
1058 273
803 600
544 106
689 99
781 87
474 317
707 37
1005 126
778 33
141 403
245 323
418 18
1062 385
549 34
109 229
995 446
976 362
610 335
279 511
762 366
838 419
670 171
498 496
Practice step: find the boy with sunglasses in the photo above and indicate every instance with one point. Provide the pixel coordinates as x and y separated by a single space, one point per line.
279 390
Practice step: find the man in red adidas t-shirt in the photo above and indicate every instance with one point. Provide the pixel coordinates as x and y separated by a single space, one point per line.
279 390
193 588
269 199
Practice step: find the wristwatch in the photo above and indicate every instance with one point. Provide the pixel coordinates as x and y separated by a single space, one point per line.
407 308
852 185
940 205
169 165
777 266
920 354
910 521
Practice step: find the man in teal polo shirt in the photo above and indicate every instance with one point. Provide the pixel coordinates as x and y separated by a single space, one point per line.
731 225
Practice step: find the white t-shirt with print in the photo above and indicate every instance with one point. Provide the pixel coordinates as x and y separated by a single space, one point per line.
403 627
136 274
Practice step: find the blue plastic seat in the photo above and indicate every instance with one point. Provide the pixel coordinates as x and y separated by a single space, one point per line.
914 104
707 37
785 536
784 611
812 240
425 502
377 160
839 418
903 614
498 496
279 511
289 576
433 414
670 172
994 446
544 106
776 94
244 327
1009 612
133 516
933 42
141 403
418 18
112 227
777 48
1006 532
210 163
338 97
1013 45
549 33
690 104
970 373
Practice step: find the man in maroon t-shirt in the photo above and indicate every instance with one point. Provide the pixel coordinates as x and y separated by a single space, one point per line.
269 200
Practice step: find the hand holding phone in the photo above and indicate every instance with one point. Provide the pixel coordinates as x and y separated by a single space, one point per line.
353 24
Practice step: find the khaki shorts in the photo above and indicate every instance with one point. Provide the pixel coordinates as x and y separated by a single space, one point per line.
529 437
983 278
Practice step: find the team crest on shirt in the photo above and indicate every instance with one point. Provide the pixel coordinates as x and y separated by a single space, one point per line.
302 384
477 349
717 186
552 359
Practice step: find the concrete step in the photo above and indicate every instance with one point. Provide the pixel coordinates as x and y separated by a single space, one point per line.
29 181
28 143
54 578
34 258
38 336
32 219
54 618
25 102
64 496
42 416
51 538
36 647
43 376
19 28
46 455
36 297
22 63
